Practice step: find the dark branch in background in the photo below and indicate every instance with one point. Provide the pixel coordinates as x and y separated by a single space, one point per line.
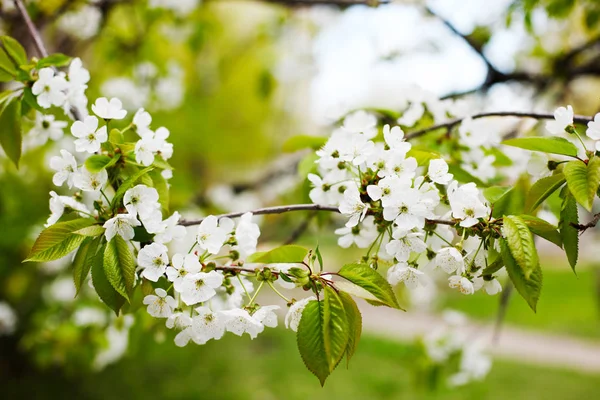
502 307
291 208
39 43
579 119
562 66
297 233
591 224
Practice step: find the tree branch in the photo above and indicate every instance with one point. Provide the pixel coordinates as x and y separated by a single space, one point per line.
37 39
591 224
579 119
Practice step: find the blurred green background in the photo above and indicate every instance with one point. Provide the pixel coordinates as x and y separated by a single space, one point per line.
229 129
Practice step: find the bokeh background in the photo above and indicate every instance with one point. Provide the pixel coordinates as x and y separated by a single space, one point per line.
232 80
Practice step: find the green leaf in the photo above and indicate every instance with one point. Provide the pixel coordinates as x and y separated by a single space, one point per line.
568 233
162 164
463 176
541 190
371 281
10 129
494 193
494 267
30 100
7 66
128 184
422 156
323 334
290 253
553 145
162 187
319 258
520 242
583 180
543 229
300 142
83 261
354 324
119 266
57 60
513 201
58 240
105 290
92 231
528 284
97 162
14 50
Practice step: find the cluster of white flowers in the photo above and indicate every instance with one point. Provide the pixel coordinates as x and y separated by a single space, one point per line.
392 204
83 23
62 90
147 88
563 122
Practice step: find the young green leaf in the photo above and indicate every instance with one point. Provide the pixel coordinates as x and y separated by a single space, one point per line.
553 145
162 187
8 68
82 263
14 50
520 242
568 233
290 253
543 229
56 60
541 190
422 156
105 290
354 324
494 193
97 162
10 129
119 266
370 281
528 283
92 231
323 334
513 201
583 180
58 240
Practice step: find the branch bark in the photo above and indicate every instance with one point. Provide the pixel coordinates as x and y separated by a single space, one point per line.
591 224
37 39
579 119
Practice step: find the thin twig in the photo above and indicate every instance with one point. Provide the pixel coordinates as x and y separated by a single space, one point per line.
37 39
591 224
579 119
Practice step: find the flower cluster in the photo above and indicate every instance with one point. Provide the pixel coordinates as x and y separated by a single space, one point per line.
401 208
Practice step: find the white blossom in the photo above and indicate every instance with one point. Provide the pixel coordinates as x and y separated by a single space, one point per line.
464 285
89 137
266 316
49 88
353 206
238 322
160 305
141 200
411 277
294 314
65 167
154 259
213 232
181 266
122 225
46 127
106 109
200 286
438 171
450 260
90 181
60 204
563 117
170 230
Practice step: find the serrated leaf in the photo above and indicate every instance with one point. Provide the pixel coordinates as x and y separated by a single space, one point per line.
553 145
15 50
513 201
529 285
541 190
128 184
82 263
58 240
520 242
56 59
92 231
354 324
105 290
371 281
319 258
543 229
119 266
323 334
568 233
10 129
300 142
583 180
493 193
97 162
285 254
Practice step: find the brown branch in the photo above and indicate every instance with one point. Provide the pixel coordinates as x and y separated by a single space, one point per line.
591 224
37 39
579 119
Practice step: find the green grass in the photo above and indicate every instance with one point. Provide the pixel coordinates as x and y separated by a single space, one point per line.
270 368
568 304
